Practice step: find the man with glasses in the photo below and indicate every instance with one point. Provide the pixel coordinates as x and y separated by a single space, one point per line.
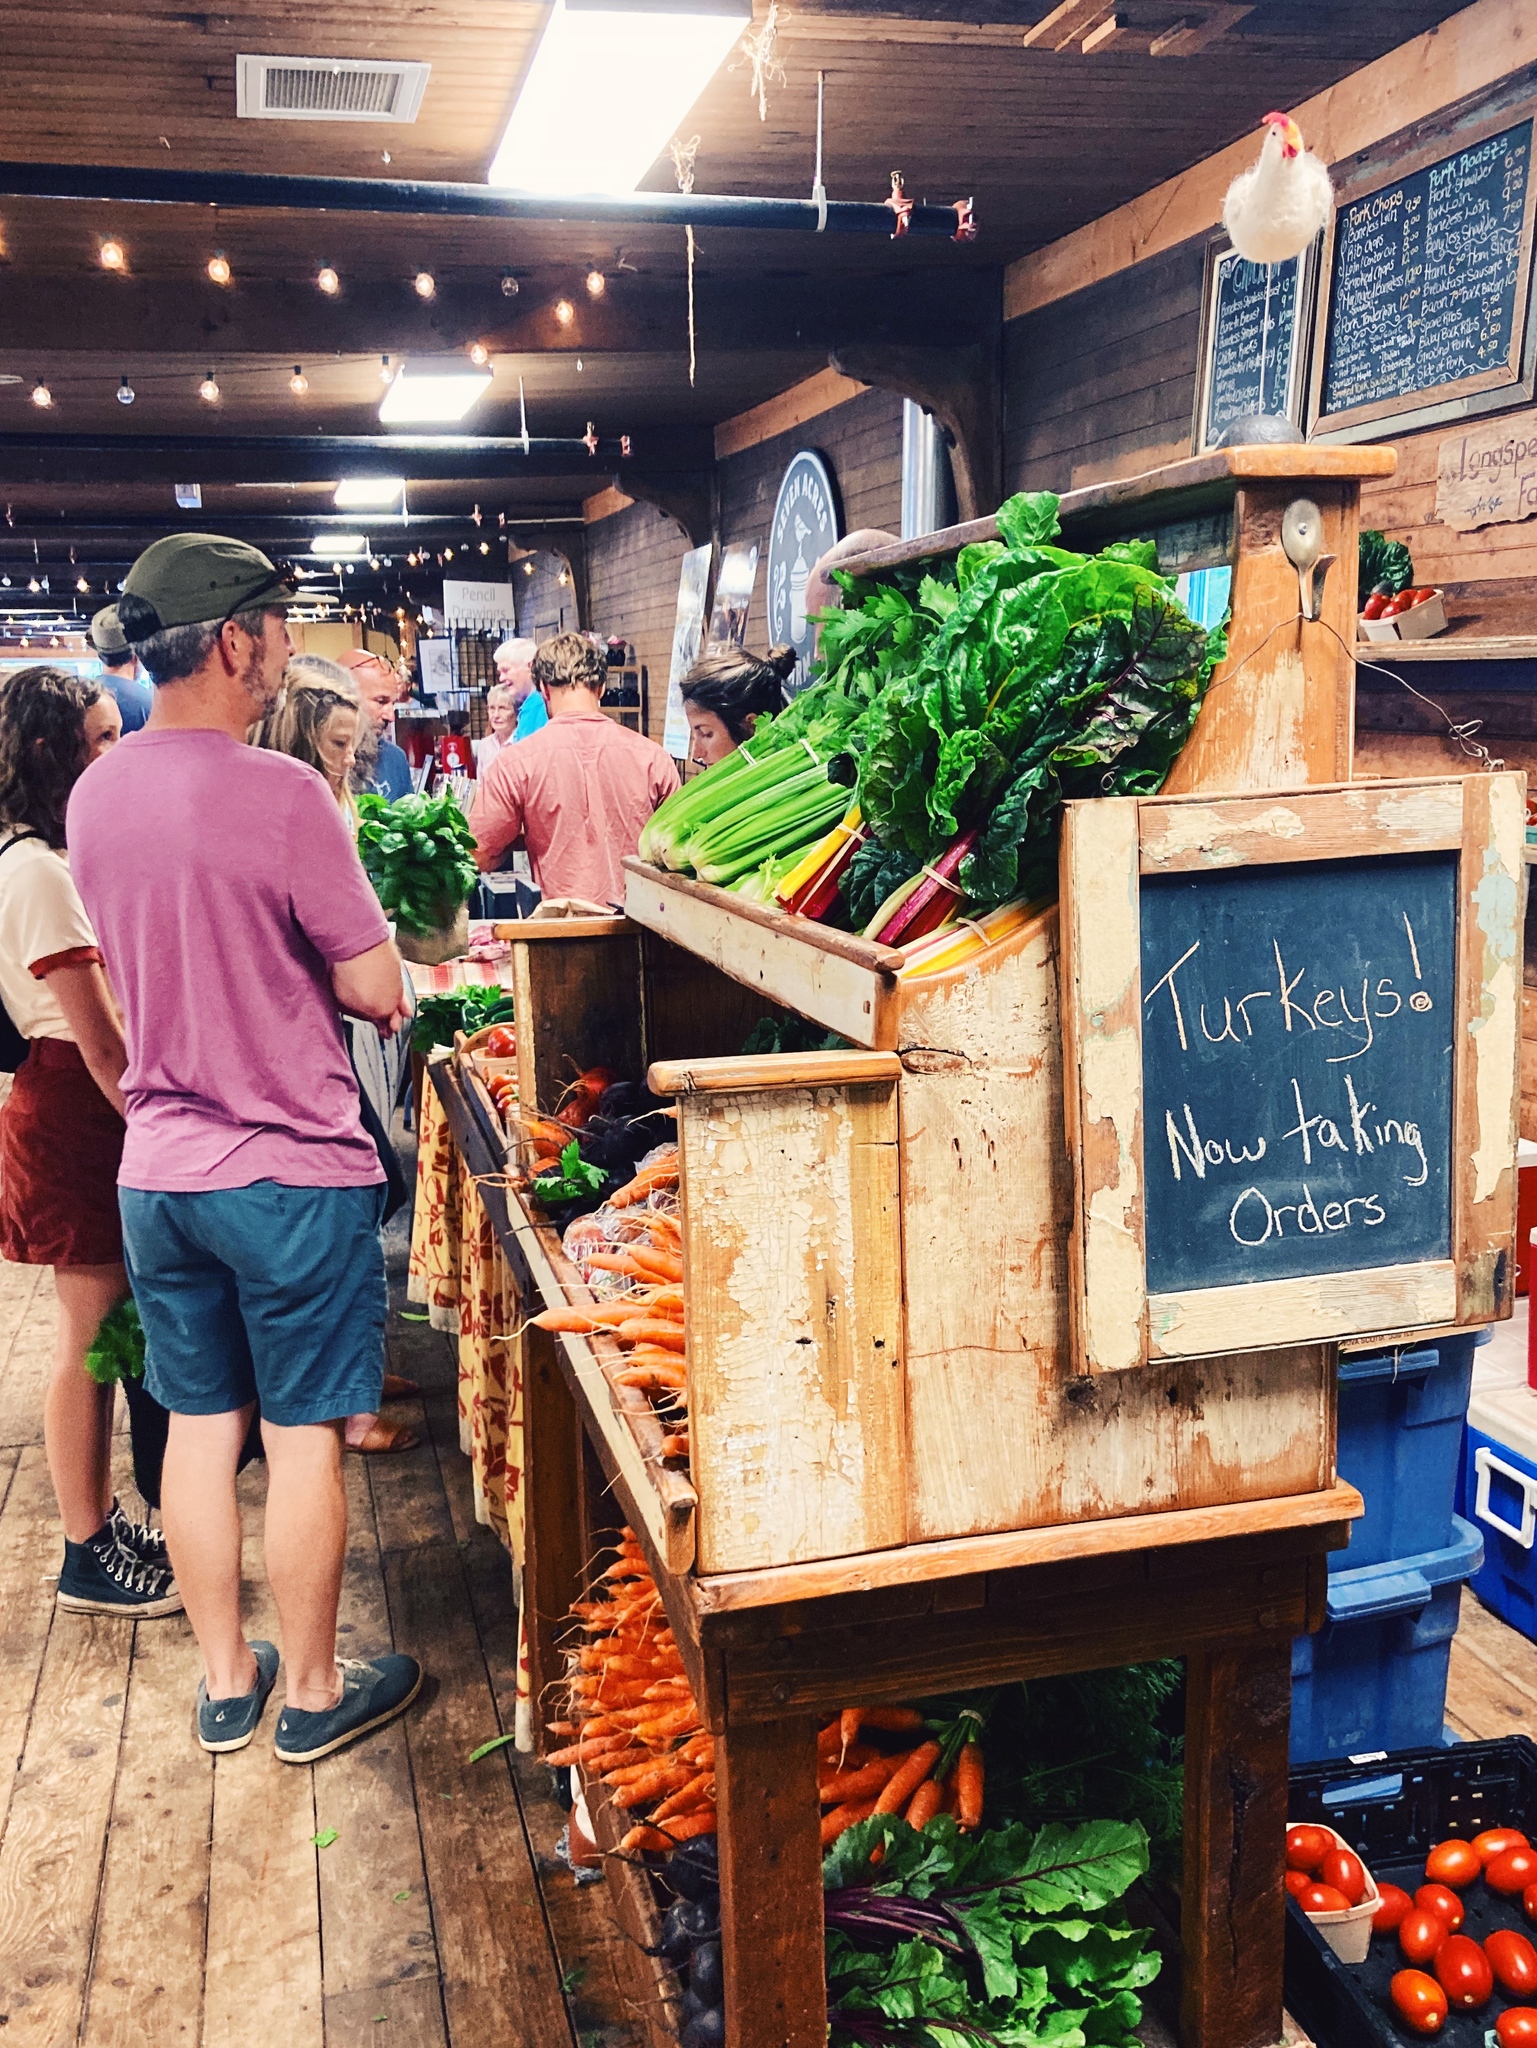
385 770
236 921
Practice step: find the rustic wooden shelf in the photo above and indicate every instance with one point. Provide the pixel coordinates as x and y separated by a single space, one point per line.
1449 647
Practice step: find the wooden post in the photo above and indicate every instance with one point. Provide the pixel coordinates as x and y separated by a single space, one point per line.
771 1885
553 1557
1237 1722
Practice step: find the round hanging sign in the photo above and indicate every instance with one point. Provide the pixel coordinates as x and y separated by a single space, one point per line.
805 526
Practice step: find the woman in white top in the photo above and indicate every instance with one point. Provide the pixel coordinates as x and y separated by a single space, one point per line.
61 1130
502 710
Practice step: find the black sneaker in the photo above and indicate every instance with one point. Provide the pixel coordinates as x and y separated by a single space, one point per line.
229 1724
99 1577
143 1543
373 1692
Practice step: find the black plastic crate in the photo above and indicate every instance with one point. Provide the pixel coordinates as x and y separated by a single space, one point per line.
1392 1810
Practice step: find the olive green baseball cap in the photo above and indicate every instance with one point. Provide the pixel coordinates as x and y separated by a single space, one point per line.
107 635
194 579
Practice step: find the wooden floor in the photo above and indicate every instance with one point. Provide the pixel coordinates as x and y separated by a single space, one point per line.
154 1897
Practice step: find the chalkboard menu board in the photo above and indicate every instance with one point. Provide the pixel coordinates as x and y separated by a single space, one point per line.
1297 1069
1429 282
1255 317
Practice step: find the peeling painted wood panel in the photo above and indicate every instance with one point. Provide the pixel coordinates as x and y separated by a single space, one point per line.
792 1268
1317 1307
1361 819
1102 1060
1487 1106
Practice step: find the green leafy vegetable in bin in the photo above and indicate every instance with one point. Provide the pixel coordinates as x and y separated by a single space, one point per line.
575 1181
468 1009
419 855
1384 564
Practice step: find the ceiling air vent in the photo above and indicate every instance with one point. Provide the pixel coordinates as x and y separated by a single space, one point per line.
327 89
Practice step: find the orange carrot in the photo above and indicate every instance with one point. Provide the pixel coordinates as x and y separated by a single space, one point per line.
589 1748
968 1786
688 1825
895 1720
849 1722
915 1768
615 1262
627 1774
645 1837
664 1264
845 1786
697 1792
641 1791
829 1739
841 1817
925 1803
657 1330
675 1721
651 1379
571 1320
676 1445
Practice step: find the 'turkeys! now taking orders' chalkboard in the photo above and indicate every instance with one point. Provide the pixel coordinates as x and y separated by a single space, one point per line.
1290 1030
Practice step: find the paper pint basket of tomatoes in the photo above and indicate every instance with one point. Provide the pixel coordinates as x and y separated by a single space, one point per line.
1414 614
1333 1887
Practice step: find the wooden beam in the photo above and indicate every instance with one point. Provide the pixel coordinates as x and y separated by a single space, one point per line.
1185 38
1113 33
771 1885
805 401
1065 25
962 388
1471 51
604 504
803 27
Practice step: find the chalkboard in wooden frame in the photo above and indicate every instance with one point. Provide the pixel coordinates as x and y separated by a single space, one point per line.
1290 1033
1238 328
1466 197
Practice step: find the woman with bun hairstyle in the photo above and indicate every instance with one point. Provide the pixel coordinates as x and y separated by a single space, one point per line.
726 692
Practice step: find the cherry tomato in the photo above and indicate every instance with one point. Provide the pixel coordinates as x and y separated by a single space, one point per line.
1513 1961
1323 1898
1463 1972
1346 1872
1455 1863
1495 1841
1419 2001
1307 1847
1297 1882
1394 1903
1441 1900
1420 1934
1516 2027
1512 1871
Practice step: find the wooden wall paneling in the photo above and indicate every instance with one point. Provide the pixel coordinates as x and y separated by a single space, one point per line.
633 561
690 1009
1489 935
583 1010
792 1266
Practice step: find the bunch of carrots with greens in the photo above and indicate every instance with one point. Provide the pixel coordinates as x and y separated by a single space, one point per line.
858 1777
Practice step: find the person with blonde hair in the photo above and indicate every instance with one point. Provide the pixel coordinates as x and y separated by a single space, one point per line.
316 722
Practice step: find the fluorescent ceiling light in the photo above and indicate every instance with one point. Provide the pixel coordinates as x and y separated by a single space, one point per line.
607 87
355 491
433 390
337 547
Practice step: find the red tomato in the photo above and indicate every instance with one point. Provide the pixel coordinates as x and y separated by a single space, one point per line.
1455 1863
1307 1847
1420 1934
1529 1902
1463 1972
1297 1882
1513 1961
1395 1903
1395 605
1516 2027
1424 596
502 1042
1441 1900
1372 609
1323 1898
1495 1841
1346 1872
1512 1871
1419 2001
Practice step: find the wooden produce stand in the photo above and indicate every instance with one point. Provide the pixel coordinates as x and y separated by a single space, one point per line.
907 1473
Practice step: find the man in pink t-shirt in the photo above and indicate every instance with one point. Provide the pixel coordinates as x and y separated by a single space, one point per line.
234 918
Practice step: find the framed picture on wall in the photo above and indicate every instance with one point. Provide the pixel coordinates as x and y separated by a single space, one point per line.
1255 322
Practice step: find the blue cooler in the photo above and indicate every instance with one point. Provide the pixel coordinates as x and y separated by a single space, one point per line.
1400 1442
1500 1487
1374 1677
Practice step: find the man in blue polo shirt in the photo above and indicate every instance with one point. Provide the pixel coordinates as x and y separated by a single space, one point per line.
120 669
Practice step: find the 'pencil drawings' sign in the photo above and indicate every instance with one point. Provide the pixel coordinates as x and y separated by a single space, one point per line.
1297 1029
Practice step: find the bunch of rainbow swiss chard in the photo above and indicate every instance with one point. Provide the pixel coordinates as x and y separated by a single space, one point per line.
912 792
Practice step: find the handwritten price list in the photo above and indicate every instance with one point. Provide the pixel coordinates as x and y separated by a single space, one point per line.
1425 276
1255 325
1297 1031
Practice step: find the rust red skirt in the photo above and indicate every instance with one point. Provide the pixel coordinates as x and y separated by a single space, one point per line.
61 1143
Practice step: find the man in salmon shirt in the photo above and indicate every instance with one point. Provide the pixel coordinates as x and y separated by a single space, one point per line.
578 791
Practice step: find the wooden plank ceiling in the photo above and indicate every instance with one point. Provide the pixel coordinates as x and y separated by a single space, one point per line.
1044 138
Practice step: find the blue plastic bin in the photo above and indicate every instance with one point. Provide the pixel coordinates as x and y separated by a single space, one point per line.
1500 1487
1400 1442
1374 1677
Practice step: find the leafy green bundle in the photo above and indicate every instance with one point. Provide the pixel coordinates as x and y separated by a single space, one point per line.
418 853
1384 564
469 1009
998 1937
1050 675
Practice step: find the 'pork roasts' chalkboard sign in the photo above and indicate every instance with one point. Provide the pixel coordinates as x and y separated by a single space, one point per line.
1429 282
1297 1028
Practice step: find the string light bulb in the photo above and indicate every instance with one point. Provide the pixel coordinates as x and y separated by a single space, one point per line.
219 271
386 374
42 397
597 284
485 547
298 383
509 285
125 391
448 554
425 285
563 578
328 280
565 312
208 390
480 355
81 585
34 586
113 256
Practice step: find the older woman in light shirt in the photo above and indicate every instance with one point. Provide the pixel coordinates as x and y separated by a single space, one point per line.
502 711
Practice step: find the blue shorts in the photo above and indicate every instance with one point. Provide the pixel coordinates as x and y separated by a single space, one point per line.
266 1293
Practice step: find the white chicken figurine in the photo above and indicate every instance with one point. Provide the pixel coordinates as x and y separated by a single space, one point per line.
1274 210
